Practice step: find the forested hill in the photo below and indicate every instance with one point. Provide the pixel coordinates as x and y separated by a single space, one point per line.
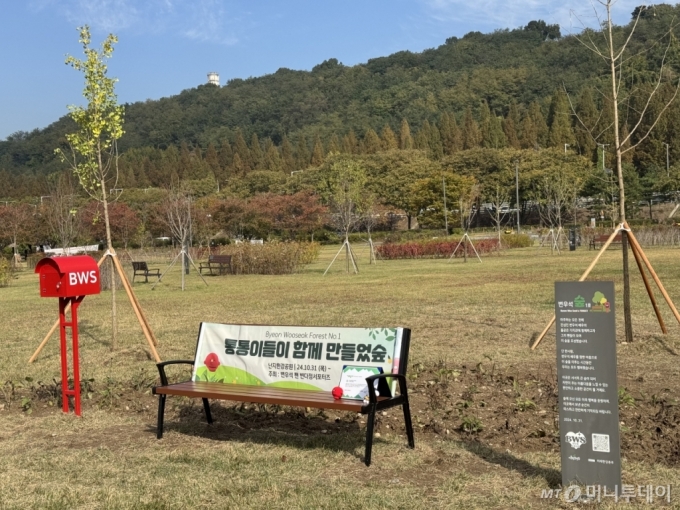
290 115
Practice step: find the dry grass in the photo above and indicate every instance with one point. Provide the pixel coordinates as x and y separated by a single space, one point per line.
460 313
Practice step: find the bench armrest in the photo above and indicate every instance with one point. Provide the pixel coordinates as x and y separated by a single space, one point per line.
373 399
161 368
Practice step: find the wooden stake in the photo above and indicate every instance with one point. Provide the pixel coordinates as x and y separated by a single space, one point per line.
133 301
56 324
668 299
648 287
583 277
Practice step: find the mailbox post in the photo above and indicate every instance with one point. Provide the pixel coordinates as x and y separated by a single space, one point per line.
70 279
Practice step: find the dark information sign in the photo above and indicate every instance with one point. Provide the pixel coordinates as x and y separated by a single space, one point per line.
586 378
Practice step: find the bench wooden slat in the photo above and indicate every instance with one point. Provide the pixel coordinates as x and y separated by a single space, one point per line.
260 395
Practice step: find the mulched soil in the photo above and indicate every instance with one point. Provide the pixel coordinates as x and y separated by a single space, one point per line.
482 405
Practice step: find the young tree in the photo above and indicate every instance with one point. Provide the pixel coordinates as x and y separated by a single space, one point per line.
93 147
616 53
343 188
61 214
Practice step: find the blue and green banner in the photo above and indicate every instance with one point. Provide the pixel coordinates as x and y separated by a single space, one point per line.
299 357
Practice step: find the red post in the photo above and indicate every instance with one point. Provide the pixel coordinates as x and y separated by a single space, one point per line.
73 324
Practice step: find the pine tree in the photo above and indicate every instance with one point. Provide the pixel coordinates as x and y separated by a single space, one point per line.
450 134
239 166
405 138
585 122
302 156
485 125
436 146
241 148
349 143
317 152
226 155
472 138
529 138
272 159
256 154
287 157
422 139
539 124
184 169
497 139
334 145
372 143
389 140
213 160
559 120
511 125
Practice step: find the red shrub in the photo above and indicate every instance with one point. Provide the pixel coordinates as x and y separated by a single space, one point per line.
434 249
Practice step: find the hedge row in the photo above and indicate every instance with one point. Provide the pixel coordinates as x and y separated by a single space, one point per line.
271 258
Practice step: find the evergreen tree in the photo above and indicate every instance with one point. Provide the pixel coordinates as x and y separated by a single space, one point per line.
272 159
436 146
472 138
239 167
287 157
372 143
184 170
485 125
422 140
540 125
317 152
497 137
334 145
302 156
389 140
213 160
559 120
349 143
256 154
226 155
405 138
584 124
511 125
241 148
450 134
529 138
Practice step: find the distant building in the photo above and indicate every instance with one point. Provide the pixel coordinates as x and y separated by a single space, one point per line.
214 79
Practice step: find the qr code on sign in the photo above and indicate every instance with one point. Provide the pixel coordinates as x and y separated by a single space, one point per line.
601 443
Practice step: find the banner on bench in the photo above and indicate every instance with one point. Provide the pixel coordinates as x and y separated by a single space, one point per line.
298 357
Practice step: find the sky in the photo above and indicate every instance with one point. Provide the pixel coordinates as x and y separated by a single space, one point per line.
166 46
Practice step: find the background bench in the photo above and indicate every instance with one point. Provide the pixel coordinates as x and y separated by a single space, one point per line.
384 398
598 240
141 269
218 263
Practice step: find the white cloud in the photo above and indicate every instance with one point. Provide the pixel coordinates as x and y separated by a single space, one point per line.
210 21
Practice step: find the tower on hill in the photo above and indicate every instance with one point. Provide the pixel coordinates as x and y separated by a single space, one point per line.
214 79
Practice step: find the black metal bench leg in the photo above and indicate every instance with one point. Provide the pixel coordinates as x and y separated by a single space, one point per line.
206 406
408 424
161 412
369 436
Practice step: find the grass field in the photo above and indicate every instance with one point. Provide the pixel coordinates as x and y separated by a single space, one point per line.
471 327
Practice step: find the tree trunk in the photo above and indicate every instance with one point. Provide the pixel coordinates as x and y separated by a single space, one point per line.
619 170
114 314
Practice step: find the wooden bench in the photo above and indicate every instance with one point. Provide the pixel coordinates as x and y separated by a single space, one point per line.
141 269
207 382
219 263
598 240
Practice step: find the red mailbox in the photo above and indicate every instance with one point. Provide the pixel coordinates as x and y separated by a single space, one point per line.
66 277
70 279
